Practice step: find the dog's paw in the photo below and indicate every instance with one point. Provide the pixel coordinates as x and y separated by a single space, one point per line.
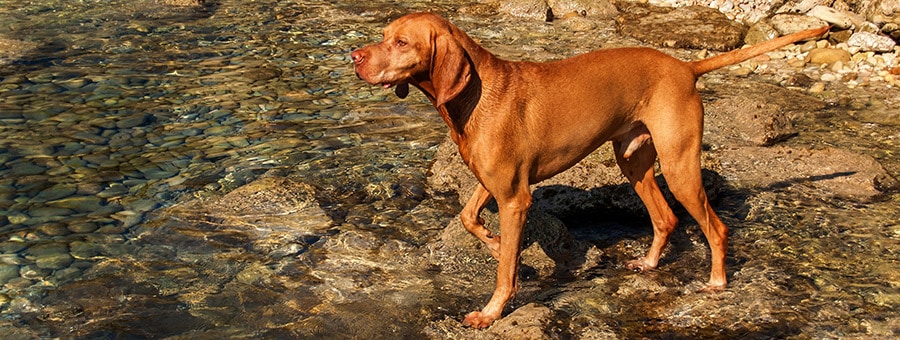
711 288
639 265
478 320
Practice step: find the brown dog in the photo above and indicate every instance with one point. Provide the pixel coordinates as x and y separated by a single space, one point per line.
518 123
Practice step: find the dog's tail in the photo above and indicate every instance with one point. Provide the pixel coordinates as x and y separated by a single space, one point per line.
706 65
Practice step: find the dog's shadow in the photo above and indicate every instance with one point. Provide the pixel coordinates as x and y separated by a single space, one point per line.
604 227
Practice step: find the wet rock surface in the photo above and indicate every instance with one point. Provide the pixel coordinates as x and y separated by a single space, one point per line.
214 169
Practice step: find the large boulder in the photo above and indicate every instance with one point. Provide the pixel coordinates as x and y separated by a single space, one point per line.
695 27
754 113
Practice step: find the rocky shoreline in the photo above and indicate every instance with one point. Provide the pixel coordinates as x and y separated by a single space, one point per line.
315 233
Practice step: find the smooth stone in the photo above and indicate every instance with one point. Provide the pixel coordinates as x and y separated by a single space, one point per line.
49 211
158 174
112 229
55 192
43 249
8 272
67 274
74 84
829 56
133 121
53 229
114 189
217 130
12 259
39 77
741 71
78 203
25 169
17 218
83 227
54 261
85 250
33 272
10 247
128 218
817 87
143 205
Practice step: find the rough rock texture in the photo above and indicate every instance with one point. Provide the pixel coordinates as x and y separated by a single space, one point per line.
531 9
759 32
550 9
830 172
792 23
527 322
273 203
590 8
754 113
687 27
183 3
871 42
11 49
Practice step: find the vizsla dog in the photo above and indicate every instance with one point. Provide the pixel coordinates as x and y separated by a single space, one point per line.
518 123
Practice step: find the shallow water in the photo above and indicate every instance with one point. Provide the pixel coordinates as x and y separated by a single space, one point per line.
118 113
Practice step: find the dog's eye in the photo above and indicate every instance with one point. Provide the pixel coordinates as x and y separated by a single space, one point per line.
401 43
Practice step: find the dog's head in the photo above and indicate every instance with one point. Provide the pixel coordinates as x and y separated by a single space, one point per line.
421 49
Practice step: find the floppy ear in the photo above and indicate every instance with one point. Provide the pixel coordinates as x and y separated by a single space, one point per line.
450 69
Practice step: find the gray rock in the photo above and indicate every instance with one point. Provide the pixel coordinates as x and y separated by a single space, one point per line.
54 261
532 9
8 272
842 19
590 8
755 114
687 27
78 203
829 172
530 321
759 32
871 42
269 204
792 23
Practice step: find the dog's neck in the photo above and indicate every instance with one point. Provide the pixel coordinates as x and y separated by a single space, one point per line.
458 112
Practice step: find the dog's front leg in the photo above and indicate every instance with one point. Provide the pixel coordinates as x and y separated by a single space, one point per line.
471 219
512 225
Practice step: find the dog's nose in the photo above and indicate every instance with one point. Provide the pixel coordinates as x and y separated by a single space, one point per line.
357 57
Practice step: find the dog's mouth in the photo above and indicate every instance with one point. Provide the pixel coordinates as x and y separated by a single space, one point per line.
401 89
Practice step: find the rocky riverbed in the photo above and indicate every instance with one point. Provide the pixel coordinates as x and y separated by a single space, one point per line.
214 169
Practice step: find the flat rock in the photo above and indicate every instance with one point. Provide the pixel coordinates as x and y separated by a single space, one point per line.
754 114
828 56
759 32
695 27
269 204
871 42
531 9
828 172
590 8
839 18
793 23
527 322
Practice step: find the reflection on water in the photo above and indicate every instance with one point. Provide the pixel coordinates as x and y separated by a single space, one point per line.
116 117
